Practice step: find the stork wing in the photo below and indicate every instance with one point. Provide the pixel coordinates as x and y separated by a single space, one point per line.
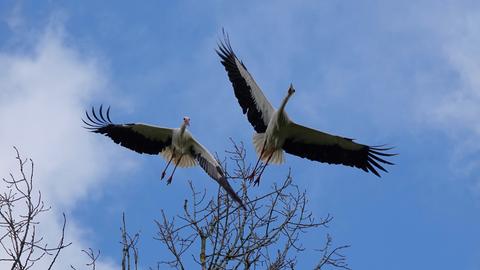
316 145
213 169
140 138
249 95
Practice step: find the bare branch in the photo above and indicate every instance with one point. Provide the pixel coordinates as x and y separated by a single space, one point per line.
92 256
21 205
129 244
332 257
232 238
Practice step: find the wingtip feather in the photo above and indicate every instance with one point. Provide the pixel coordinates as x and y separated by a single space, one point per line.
370 155
372 161
372 169
97 120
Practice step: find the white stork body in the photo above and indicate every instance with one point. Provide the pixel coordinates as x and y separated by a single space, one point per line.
180 147
269 144
176 145
275 132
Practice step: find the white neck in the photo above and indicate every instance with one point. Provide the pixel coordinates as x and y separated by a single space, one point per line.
284 102
182 128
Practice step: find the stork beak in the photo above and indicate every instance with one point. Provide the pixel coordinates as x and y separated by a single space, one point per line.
291 90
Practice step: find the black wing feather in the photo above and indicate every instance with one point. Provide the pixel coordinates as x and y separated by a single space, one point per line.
364 158
216 173
124 134
241 88
319 146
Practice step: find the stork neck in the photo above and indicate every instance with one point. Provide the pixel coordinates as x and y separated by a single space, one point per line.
182 129
284 103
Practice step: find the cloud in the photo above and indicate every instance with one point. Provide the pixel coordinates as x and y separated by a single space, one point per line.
460 107
455 109
43 94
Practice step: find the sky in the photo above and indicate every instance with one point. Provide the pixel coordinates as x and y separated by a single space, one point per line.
404 73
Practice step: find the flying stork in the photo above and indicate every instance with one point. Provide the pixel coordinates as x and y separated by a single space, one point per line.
275 132
174 144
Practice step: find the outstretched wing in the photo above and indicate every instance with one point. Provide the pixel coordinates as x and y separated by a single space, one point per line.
249 95
316 145
213 169
140 138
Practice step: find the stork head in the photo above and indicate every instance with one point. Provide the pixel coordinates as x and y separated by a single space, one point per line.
291 90
186 121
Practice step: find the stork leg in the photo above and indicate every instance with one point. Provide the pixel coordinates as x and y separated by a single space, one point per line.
169 180
257 181
258 160
165 170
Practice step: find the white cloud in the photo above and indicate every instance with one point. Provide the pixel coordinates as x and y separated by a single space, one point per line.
456 109
461 47
42 97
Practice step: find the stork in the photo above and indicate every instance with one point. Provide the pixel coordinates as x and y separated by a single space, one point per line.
276 133
176 145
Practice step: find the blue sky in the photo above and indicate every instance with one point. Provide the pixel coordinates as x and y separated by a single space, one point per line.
404 73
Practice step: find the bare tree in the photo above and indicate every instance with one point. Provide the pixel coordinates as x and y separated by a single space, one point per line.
266 236
92 259
129 250
129 245
21 205
331 256
217 233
